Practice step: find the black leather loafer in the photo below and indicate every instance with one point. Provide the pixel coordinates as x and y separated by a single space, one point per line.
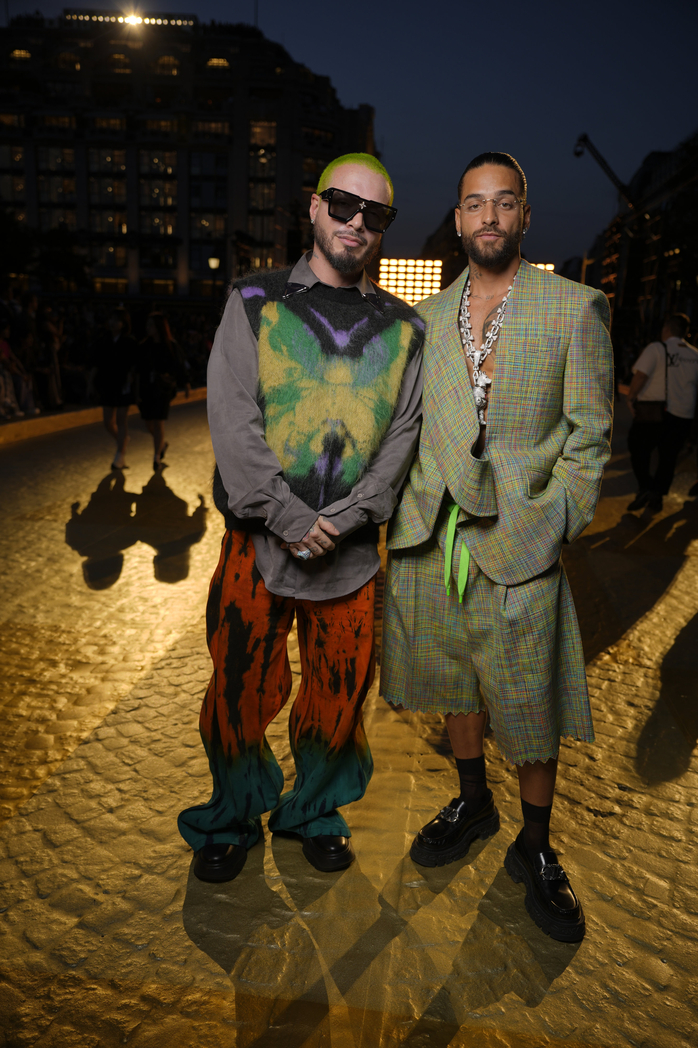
550 901
219 862
328 853
448 836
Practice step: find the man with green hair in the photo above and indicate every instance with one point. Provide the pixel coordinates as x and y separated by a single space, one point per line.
314 405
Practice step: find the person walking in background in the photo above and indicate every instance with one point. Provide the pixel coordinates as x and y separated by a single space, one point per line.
160 372
478 615
662 399
9 406
314 400
49 369
115 358
18 392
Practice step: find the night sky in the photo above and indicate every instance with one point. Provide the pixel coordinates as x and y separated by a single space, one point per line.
449 80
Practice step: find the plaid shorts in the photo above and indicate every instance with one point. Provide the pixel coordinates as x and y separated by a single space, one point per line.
514 650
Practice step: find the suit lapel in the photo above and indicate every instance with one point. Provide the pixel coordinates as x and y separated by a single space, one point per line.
528 379
451 426
516 319
449 410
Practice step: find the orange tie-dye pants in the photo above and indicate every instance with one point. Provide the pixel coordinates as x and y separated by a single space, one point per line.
247 629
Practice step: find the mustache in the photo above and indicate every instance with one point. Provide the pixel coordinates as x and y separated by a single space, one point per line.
354 236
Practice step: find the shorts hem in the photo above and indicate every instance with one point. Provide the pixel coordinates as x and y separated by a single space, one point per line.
547 755
440 712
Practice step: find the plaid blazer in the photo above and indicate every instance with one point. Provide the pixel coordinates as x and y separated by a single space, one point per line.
548 427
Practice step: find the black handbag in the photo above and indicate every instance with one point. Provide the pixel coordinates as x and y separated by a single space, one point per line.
653 410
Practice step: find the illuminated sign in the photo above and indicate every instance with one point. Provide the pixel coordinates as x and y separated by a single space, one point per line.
77 14
411 279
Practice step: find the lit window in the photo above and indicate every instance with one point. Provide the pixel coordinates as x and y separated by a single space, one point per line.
211 127
119 64
20 55
263 133
218 63
67 60
65 122
167 65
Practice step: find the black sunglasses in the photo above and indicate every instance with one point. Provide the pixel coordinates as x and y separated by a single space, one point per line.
343 206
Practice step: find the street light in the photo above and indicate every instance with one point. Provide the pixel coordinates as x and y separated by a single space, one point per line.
214 263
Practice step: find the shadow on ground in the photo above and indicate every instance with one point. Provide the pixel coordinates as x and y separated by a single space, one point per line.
502 953
617 575
115 519
289 950
670 734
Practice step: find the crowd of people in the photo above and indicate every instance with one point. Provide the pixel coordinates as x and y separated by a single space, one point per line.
58 354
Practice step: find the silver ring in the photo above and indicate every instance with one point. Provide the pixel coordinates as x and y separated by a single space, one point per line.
304 554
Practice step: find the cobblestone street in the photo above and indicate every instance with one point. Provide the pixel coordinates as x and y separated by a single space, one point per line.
106 938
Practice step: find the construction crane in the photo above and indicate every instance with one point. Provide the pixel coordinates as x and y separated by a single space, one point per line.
584 142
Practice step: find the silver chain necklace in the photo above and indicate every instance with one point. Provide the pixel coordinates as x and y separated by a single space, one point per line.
478 356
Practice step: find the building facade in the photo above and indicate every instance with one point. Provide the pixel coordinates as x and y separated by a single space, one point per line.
175 154
646 260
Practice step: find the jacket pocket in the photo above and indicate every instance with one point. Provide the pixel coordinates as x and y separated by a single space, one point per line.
538 481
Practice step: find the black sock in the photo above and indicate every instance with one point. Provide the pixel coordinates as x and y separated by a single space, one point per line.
473 778
536 826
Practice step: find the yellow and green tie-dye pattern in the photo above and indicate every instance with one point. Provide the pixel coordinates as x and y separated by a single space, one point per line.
325 413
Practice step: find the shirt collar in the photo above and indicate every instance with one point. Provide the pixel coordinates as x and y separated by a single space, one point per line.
302 278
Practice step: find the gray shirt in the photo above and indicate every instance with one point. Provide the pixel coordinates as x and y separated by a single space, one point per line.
253 477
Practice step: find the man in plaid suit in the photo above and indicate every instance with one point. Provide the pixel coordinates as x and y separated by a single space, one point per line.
479 618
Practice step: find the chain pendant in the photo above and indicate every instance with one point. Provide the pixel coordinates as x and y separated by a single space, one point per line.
477 357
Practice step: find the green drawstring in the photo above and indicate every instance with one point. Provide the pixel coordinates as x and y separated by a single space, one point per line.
464 555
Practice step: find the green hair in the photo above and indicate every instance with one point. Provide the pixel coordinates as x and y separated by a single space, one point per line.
363 160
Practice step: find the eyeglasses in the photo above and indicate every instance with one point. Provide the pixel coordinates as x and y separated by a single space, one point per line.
503 204
343 206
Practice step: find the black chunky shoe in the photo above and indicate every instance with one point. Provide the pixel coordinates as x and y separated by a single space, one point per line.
640 500
219 862
328 853
550 901
448 836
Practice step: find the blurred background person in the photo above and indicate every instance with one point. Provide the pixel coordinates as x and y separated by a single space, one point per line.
115 359
160 371
9 408
662 399
9 307
48 369
18 398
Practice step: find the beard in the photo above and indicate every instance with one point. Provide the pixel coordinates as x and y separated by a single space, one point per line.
493 255
347 260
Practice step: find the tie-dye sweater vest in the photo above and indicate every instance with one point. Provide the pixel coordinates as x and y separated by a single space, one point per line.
330 372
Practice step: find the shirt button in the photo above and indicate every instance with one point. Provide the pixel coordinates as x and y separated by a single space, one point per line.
285 533
360 495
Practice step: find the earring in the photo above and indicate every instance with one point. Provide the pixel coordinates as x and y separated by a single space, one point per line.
457 234
525 230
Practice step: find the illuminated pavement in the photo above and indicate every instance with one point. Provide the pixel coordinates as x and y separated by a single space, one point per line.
107 939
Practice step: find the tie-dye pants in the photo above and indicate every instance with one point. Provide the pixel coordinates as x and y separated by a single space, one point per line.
247 628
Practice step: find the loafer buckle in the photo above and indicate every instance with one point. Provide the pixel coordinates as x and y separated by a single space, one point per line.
449 814
553 872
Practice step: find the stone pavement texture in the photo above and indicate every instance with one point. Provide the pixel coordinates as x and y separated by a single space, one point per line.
106 938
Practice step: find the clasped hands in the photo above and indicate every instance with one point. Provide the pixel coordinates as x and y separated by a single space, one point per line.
316 541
